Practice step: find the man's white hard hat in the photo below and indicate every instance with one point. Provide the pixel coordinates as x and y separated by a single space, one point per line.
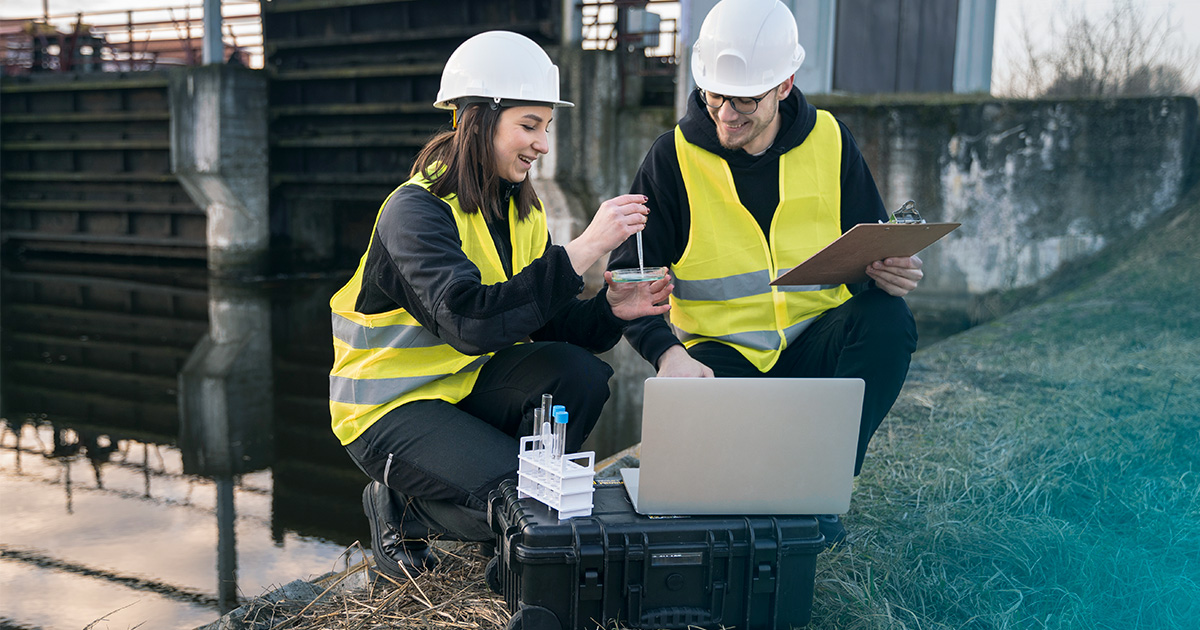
746 47
499 66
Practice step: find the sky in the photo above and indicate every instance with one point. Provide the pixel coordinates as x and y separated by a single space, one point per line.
1039 14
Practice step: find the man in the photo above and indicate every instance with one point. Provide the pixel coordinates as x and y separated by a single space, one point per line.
751 182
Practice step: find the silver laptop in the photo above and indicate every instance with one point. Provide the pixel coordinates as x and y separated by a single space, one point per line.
746 446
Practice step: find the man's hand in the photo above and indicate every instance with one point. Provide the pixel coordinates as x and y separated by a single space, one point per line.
896 276
631 300
676 362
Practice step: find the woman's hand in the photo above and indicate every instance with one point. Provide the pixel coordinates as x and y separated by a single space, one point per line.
616 220
631 300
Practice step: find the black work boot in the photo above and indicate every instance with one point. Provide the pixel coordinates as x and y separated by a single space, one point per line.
395 556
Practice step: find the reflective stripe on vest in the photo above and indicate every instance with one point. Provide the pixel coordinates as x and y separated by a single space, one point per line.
722 280
394 336
384 360
732 287
380 391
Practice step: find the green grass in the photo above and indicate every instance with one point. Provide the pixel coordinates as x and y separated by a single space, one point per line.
1041 471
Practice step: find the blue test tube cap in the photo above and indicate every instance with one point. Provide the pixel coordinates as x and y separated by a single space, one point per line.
560 417
555 409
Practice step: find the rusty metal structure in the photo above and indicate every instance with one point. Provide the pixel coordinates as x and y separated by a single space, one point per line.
125 41
650 42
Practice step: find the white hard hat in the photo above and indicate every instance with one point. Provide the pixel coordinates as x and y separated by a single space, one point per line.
746 47
499 66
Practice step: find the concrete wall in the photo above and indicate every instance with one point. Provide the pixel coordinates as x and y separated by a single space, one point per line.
1036 184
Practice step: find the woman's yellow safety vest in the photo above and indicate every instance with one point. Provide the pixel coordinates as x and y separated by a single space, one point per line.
384 360
722 280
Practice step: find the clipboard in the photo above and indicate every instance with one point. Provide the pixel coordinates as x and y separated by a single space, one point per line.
845 260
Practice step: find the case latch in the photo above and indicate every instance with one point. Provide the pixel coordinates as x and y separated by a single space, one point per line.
764 578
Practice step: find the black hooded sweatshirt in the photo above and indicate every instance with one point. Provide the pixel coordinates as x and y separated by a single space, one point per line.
416 262
757 182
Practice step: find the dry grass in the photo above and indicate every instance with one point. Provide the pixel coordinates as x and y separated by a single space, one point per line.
1038 472
453 595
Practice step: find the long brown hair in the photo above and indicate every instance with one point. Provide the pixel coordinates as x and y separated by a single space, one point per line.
465 158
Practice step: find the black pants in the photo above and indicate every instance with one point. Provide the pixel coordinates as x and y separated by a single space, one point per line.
871 336
441 460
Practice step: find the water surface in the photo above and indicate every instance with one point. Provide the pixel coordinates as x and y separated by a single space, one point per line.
117 509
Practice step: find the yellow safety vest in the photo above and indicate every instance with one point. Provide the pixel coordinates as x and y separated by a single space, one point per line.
384 360
722 280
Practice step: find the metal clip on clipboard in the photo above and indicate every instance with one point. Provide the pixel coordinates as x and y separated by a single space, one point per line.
906 214
845 260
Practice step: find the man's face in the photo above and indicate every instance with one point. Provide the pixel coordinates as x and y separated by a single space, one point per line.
754 132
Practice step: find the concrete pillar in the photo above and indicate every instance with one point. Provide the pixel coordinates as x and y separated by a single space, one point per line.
572 23
691 16
219 153
816 21
973 45
226 387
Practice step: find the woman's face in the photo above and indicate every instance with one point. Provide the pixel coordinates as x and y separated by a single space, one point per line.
520 139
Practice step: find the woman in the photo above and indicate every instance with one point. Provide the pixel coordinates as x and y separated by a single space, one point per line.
462 313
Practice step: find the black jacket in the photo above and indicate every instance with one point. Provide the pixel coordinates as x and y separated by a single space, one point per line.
757 181
416 263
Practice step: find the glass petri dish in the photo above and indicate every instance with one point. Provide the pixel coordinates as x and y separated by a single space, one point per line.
648 274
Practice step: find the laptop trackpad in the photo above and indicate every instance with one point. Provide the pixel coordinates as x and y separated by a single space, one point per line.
630 477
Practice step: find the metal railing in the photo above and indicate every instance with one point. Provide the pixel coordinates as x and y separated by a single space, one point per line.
116 41
646 30
649 25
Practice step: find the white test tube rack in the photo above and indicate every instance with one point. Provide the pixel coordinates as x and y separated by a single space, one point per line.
564 484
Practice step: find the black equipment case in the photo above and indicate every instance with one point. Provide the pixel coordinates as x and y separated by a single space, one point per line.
619 567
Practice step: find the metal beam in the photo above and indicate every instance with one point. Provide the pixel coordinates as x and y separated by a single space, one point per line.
214 50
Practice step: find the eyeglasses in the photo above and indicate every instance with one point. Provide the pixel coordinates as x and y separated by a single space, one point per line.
744 105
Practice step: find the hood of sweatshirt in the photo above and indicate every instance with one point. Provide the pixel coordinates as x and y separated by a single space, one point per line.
798 120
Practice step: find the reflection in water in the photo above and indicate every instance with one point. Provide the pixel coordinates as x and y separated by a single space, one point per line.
165 450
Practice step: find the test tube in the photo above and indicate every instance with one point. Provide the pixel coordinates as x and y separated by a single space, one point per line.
548 426
552 419
547 416
560 434
538 418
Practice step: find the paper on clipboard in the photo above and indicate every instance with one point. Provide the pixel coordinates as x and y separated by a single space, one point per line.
845 260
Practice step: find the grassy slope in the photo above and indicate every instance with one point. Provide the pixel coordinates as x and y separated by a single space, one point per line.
1041 471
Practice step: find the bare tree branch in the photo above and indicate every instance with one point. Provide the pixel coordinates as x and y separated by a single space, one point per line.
1123 52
